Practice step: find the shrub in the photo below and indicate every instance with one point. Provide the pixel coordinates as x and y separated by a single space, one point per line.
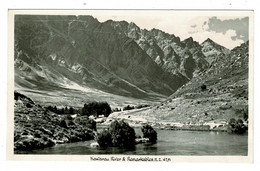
149 132
91 124
236 126
119 134
128 107
232 122
203 87
141 106
86 122
104 138
64 123
122 134
116 110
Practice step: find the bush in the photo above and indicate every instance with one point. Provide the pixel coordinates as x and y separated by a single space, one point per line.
120 133
149 132
128 107
91 124
236 126
116 110
104 139
141 106
86 122
203 87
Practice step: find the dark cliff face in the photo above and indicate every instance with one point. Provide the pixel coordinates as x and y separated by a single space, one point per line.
182 58
227 74
50 50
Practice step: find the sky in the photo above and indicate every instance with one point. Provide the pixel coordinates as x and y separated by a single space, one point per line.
229 29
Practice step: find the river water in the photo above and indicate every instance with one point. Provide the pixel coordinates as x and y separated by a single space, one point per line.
169 143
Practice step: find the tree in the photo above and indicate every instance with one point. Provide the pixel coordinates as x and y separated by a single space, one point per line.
62 111
232 123
66 110
96 108
106 109
236 126
120 134
240 128
71 110
55 109
149 132
128 107
104 138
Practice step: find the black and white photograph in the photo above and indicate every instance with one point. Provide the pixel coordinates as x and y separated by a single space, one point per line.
131 85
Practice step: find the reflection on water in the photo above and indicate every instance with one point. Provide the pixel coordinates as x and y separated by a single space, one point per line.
169 143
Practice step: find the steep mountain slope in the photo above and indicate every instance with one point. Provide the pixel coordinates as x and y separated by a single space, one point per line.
183 58
54 52
212 50
213 97
225 72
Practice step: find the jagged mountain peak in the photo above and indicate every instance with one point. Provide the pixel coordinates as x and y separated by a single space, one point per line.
164 48
189 39
132 24
158 32
213 51
208 40
190 43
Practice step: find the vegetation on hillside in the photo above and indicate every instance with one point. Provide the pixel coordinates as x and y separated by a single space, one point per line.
128 107
63 110
36 127
94 108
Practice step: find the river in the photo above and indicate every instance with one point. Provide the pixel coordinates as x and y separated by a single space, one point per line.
190 143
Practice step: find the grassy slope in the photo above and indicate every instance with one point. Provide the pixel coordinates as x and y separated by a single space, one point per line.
226 95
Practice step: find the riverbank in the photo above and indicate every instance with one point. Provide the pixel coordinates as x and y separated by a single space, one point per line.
171 126
174 143
134 119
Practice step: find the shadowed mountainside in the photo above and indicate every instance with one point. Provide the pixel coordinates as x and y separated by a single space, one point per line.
81 57
183 58
212 98
55 52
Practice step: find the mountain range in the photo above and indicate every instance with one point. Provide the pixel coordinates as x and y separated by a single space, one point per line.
59 53
213 97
